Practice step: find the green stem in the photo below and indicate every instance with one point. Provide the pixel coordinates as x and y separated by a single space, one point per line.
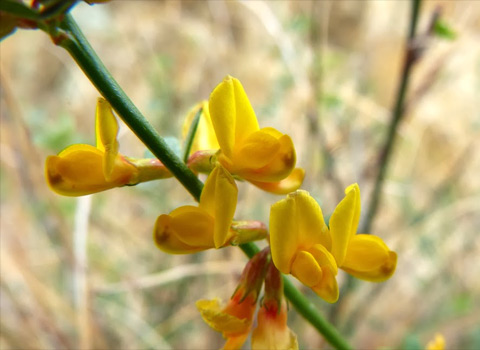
305 307
397 115
81 51
78 47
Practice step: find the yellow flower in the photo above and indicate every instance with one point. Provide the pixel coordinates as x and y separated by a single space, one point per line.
190 229
437 343
261 156
83 169
304 246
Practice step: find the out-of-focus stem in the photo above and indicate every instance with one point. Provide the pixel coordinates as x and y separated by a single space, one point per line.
411 56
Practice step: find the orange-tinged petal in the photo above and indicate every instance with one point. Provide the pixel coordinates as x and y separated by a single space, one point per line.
327 289
296 222
378 274
306 269
365 253
106 127
78 171
272 331
166 239
232 115
219 199
214 315
235 342
291 183
344 222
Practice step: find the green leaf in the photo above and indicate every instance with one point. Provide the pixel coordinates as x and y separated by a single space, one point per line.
443 30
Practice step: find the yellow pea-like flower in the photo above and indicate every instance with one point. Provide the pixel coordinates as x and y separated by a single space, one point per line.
84 169
190 229
303 245
265 157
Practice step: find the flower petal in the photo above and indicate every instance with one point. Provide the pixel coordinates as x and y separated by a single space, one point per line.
344 222
306 269
106 127
219 199
221 321
272 331
269 157
166 238
327 289
232 115
77 171
296 222
291 183
365 253
256 151
377 274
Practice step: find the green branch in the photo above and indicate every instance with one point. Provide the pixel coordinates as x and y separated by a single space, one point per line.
76 44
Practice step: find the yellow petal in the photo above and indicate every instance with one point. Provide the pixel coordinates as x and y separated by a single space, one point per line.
344 222
327 289
78 171
296 222
193 226
166 239
256 151
365 253
106 130
291 183
219 199
323 257
270 161
306 269
380 273
232 115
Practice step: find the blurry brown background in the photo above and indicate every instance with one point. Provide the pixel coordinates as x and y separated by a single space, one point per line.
84 272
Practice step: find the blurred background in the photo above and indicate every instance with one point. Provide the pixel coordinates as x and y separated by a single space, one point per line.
81 273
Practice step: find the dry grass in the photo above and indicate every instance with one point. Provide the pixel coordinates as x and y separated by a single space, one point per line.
325 72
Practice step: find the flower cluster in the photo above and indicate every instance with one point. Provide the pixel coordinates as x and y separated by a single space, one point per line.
229 145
